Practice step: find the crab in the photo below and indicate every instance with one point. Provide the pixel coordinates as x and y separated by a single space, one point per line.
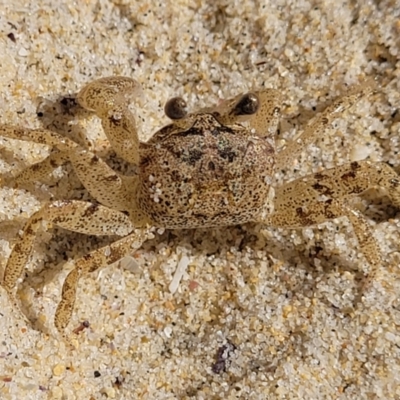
210 168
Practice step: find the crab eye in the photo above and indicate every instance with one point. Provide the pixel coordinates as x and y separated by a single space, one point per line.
175 108
247 105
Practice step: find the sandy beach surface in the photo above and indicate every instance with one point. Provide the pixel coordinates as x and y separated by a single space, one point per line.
260 312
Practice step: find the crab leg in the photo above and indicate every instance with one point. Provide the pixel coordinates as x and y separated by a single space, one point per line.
41 170
320 197
41 136
90 263
103 183
322 123
77 216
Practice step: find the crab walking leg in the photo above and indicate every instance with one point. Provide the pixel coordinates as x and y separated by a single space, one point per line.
104 184
318 212
337 183
109 99
322 123
62 144
41 170
317 198
42 136
77 216
90 263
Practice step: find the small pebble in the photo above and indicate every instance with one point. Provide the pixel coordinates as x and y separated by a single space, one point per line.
59 369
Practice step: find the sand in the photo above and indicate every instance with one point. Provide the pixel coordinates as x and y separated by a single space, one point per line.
260 312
